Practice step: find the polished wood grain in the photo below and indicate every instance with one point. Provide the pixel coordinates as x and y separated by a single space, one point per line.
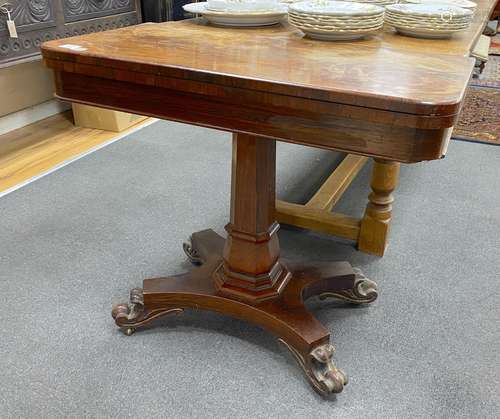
31 151
278 60
301 121
391 97
251 270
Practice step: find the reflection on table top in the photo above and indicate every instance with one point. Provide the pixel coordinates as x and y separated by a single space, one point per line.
387 71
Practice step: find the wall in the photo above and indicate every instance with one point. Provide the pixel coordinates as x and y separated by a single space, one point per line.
24 85
27 95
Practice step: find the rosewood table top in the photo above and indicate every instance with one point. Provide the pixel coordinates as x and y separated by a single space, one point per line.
386 72
388 82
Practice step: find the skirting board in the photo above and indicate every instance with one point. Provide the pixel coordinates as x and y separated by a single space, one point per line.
32 114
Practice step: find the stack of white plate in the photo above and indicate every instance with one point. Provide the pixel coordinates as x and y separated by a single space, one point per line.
432 20
376 2
336 20
466 4
239 13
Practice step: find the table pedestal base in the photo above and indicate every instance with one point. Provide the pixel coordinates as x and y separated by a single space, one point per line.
285 317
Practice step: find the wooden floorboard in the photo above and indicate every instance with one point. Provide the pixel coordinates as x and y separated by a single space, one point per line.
38 148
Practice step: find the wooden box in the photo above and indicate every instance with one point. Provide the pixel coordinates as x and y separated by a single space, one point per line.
105 119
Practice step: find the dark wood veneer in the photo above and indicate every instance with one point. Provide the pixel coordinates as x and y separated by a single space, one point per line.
307 126
373 75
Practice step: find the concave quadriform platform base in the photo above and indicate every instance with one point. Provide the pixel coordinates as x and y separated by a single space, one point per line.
285 317
244 276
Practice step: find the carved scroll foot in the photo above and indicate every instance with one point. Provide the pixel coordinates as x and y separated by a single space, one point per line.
320 369
191 252
364 291
131 315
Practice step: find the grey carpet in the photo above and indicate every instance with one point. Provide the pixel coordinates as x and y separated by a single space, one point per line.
75 241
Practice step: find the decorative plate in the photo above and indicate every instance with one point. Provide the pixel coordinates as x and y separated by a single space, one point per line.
239 6
445 11
336 8
238 19
465 4
344 35
427 33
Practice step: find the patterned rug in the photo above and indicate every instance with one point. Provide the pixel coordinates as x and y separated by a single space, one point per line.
495 45
491 74
480 117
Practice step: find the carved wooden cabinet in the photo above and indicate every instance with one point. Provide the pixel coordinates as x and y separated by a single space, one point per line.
41 20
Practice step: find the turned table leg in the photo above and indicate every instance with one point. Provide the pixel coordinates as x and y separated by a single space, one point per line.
244 276
375 224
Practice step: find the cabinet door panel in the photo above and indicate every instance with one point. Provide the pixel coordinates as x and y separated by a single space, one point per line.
38 21
29 15
76 10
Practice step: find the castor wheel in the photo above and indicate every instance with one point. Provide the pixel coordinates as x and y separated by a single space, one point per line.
129 331
191 253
